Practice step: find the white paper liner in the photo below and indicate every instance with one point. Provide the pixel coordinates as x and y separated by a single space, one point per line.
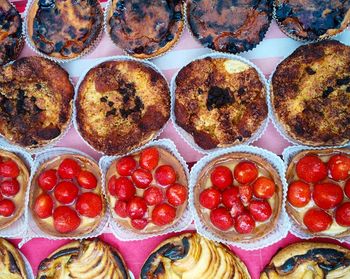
125 234
33 229
131 275
27 266
288 154
99 61
187 136
283 223
19 228
31 45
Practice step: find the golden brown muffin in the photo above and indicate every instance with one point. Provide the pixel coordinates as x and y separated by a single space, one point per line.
310 94
84 259
11 40
145 29
312 19
219 101
309 260
35 101
11 262
229 26
121 105
64 29
192 256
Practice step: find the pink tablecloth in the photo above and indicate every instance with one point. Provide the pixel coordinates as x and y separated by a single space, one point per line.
266 56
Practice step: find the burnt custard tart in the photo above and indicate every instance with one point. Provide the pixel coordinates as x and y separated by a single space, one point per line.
11 40
36 97
312 19
310 94
309 260
84 259
192 256
11 262
64 29
319 191
121 105
66 196
229 26
145 29
219 101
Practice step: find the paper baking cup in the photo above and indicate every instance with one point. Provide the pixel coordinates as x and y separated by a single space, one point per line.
30 43
18 229
27 266
125 234
283 224
187 136
33 229
98 62
105 28
288 155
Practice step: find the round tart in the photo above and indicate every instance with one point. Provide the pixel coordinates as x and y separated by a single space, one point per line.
147 191
11 262
312 19
238 197
229 26
193 256
64 29
14 177
66 196
35 101
11 40
220 101
309 260
319 191
145 29
310 94
84 259
121 105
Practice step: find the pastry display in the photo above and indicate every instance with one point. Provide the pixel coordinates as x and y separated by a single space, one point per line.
121 105
147 191
66 196
319 191
309 260
192 256
312 19
11 262
220 101
84 259
145 29
11 40
238 197
310 94
35 101
229 26
64 29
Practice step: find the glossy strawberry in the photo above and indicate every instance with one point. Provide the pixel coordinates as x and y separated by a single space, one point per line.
347 188
165 175
87 180
149 158
176 194
66 192
264 188
342 214
311 169
122 188
339 166
9 168
153 195
245 193
299 194
7 207
9 187
47 180
210 198
142 178
43 206
68 169
245 172
65 219
163 214
260 210
230 196
317 220
120 209
244 223
139 224
221 177
221 218
237 208
126 165
327 195
136 208
89 204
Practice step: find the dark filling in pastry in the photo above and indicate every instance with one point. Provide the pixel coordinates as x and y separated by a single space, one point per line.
62 253
174 252
120 264
13 264
218 97
311 18
145 26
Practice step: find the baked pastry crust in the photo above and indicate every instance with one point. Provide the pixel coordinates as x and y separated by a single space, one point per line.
64 29
35 101
82 260
264 168
219 101
145 29
229 26
192 256
11 40
310 94
312 19
87 224
297 214
309 260
121 105
11 262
